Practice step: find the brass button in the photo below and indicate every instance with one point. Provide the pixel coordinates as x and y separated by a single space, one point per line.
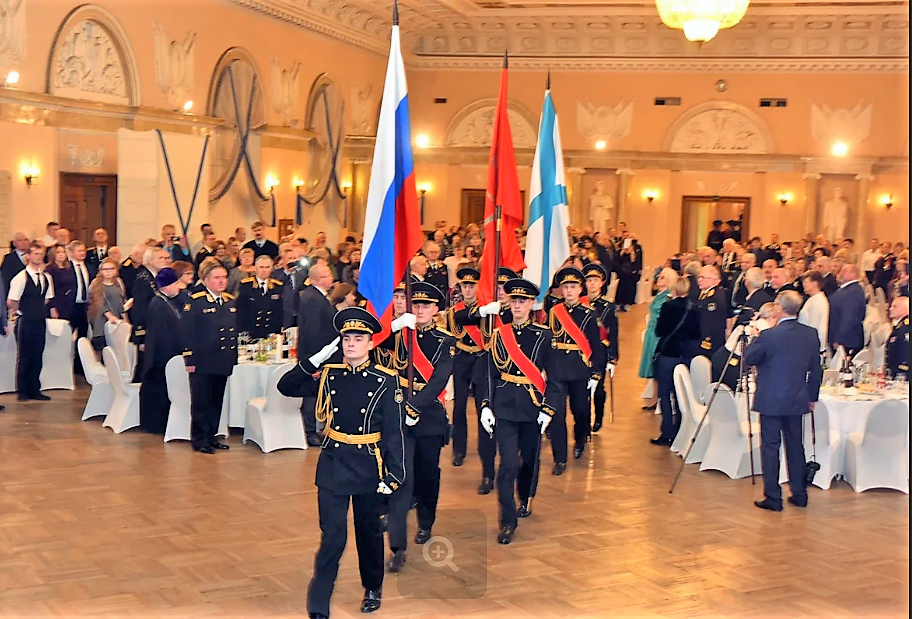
360 429
370 393
333 392
363 410
360 446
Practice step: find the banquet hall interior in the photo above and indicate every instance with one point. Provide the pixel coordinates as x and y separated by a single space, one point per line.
790 124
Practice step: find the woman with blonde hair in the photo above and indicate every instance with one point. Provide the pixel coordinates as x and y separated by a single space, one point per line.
664 283
243 270
107 297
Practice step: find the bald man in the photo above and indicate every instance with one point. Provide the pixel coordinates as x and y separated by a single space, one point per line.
315 330
847 312
898 344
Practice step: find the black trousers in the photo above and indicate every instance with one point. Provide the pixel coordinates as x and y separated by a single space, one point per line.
79 322
463 365
333 511
207 391
519 443
154 404
422 480
772 430
579 407
601 397
137 371
664 374
30 338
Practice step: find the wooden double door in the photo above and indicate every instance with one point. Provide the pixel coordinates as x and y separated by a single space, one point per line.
88 202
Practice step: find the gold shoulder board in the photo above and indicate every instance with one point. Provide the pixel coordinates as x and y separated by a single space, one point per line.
386 370
247 280
198 295
228 296
276 282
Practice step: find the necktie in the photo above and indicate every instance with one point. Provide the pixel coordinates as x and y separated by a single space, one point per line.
22 258
80 283
219 299
263 288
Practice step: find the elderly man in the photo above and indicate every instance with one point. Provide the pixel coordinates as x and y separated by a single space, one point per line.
847 312
779 281
869 260
437 273
315 330
144 289
816 310
830 284
16 260
757 296
788 386
712 305
898 344
729 257
747 261
769 267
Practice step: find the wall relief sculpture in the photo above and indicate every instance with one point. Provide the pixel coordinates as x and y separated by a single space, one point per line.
174 62
474 125
363 110
719 128
88 65
285 92
850 126
87 157
12 35
605 122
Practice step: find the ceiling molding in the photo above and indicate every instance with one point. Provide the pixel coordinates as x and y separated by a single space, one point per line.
737 65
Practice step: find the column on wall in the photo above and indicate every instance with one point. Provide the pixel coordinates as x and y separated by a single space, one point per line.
357 195
811 188
574 180
862 214
624 175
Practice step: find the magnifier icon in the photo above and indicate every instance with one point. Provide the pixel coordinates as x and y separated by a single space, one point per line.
435 555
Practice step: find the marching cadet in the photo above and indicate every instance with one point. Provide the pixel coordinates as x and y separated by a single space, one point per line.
713 307
554 295
578 369
606 311
362 457
210 354
425 414
488 318
515 400
261 301
470 348
381 355
898 344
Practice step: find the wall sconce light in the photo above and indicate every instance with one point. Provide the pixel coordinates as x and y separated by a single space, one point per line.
271 182
298 184
422 140
650 195
12 78
840 149
30 173
785 198
346 187
423 188
601 145
887 201
187 106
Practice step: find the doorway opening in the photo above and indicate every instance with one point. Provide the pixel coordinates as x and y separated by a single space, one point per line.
700 212
473 206
88 202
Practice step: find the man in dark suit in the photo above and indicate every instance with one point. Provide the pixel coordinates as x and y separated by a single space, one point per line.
847 312
207 250
98 252
260 245
747 261
757 296
788 385
715 237
14 261
825 266
293 278
315 330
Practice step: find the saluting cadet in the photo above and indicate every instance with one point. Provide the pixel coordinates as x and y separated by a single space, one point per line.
470 348
210 354
713 308
432 350
362 457
515 401
606 311
581 358
898 344
261 301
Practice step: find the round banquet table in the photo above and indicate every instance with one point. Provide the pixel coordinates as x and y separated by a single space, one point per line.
248 381
849 414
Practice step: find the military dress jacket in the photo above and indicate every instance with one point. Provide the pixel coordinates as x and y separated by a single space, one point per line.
573 363
260 314
209 323
712 305
144 289
608 321
898 348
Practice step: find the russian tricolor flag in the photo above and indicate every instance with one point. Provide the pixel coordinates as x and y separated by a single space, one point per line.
392 222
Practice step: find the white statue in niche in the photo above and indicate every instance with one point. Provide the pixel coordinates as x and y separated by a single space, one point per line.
601 208
835 215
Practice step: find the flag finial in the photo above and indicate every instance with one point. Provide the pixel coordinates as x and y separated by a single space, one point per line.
506 57
548 81
395 13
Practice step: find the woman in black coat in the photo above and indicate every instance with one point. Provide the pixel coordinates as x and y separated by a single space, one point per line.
61 271
630 265
678 330
162 343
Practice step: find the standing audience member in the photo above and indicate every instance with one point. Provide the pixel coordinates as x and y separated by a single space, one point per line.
210 243
243 270
712 306
437 274
60 270
260 245
16 260
50 236
315 330
205 230
4 321
154 260
261 302
898 344
825 266
184 272
757 296
664 284
848 308
79 317
98 252
816 310
630 265
747 261
107 297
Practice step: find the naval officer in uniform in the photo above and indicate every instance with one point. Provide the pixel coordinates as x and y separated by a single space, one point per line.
261 301
898 344
713 310
362 457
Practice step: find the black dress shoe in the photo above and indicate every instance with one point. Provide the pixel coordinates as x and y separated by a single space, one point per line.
559 468
596 426
767 504
458 459
41 397
422 536
317 616
506 535
578 451
217 445
661 441
371 601
205 449
797 502
523 511
486 485
23 398
396 562
652 407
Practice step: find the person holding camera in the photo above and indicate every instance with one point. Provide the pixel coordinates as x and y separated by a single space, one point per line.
787 358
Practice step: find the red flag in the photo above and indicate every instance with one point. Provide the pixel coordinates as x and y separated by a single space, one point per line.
502 190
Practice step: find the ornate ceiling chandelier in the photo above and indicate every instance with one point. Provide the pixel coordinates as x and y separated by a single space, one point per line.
701 19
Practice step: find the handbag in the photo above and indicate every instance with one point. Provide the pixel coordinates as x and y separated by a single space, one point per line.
658 351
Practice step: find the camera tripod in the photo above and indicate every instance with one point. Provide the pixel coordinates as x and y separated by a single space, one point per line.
742 387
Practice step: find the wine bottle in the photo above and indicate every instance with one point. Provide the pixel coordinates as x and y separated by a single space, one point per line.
846 375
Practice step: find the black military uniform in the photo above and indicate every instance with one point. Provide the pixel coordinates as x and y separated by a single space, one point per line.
209 324
162 343
127 273
773 251
573 370
363 446
516 399
712 305
201 255
144 289
427 424
606 311
261 306
438 275
469 353
898 349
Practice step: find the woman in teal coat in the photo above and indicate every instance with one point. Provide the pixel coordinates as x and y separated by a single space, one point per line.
664 282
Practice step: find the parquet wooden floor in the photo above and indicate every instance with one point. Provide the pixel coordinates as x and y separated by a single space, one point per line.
93 524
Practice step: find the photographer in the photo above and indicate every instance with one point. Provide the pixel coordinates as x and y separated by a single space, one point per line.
763 319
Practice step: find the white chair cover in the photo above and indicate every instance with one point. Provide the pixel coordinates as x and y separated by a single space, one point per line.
828 446
101 397
275 422
728 450
59 350
876 456
117 336
178 382
124 413
691 412
700 375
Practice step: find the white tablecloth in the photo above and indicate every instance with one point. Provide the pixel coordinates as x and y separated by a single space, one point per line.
248 381
57 371
850 414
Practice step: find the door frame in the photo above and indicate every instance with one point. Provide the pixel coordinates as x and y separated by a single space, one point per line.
109 181
725 199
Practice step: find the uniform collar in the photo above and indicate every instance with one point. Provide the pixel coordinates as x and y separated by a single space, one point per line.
360 367
523 325
427 327
571 305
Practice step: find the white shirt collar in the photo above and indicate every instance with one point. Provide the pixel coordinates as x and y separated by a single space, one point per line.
786 318
260 282
854 281
259 242
33 270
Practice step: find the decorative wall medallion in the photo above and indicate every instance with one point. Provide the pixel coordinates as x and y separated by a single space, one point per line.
829 125
285 91
474 124
12 35
717 189
88 62
363 110
87 157
719 128
174 64
605 122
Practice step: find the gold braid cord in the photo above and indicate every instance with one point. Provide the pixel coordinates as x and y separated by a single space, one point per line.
324 402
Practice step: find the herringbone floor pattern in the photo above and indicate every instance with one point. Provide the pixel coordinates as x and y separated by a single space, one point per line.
93 524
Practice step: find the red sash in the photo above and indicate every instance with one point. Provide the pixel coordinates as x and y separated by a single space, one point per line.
573 330
474 332
517 356
421 362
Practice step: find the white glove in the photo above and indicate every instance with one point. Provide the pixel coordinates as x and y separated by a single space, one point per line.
411 421
610 369
537 306
325 353
491 309
487 420
406 320
592 385
384 489
544 420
